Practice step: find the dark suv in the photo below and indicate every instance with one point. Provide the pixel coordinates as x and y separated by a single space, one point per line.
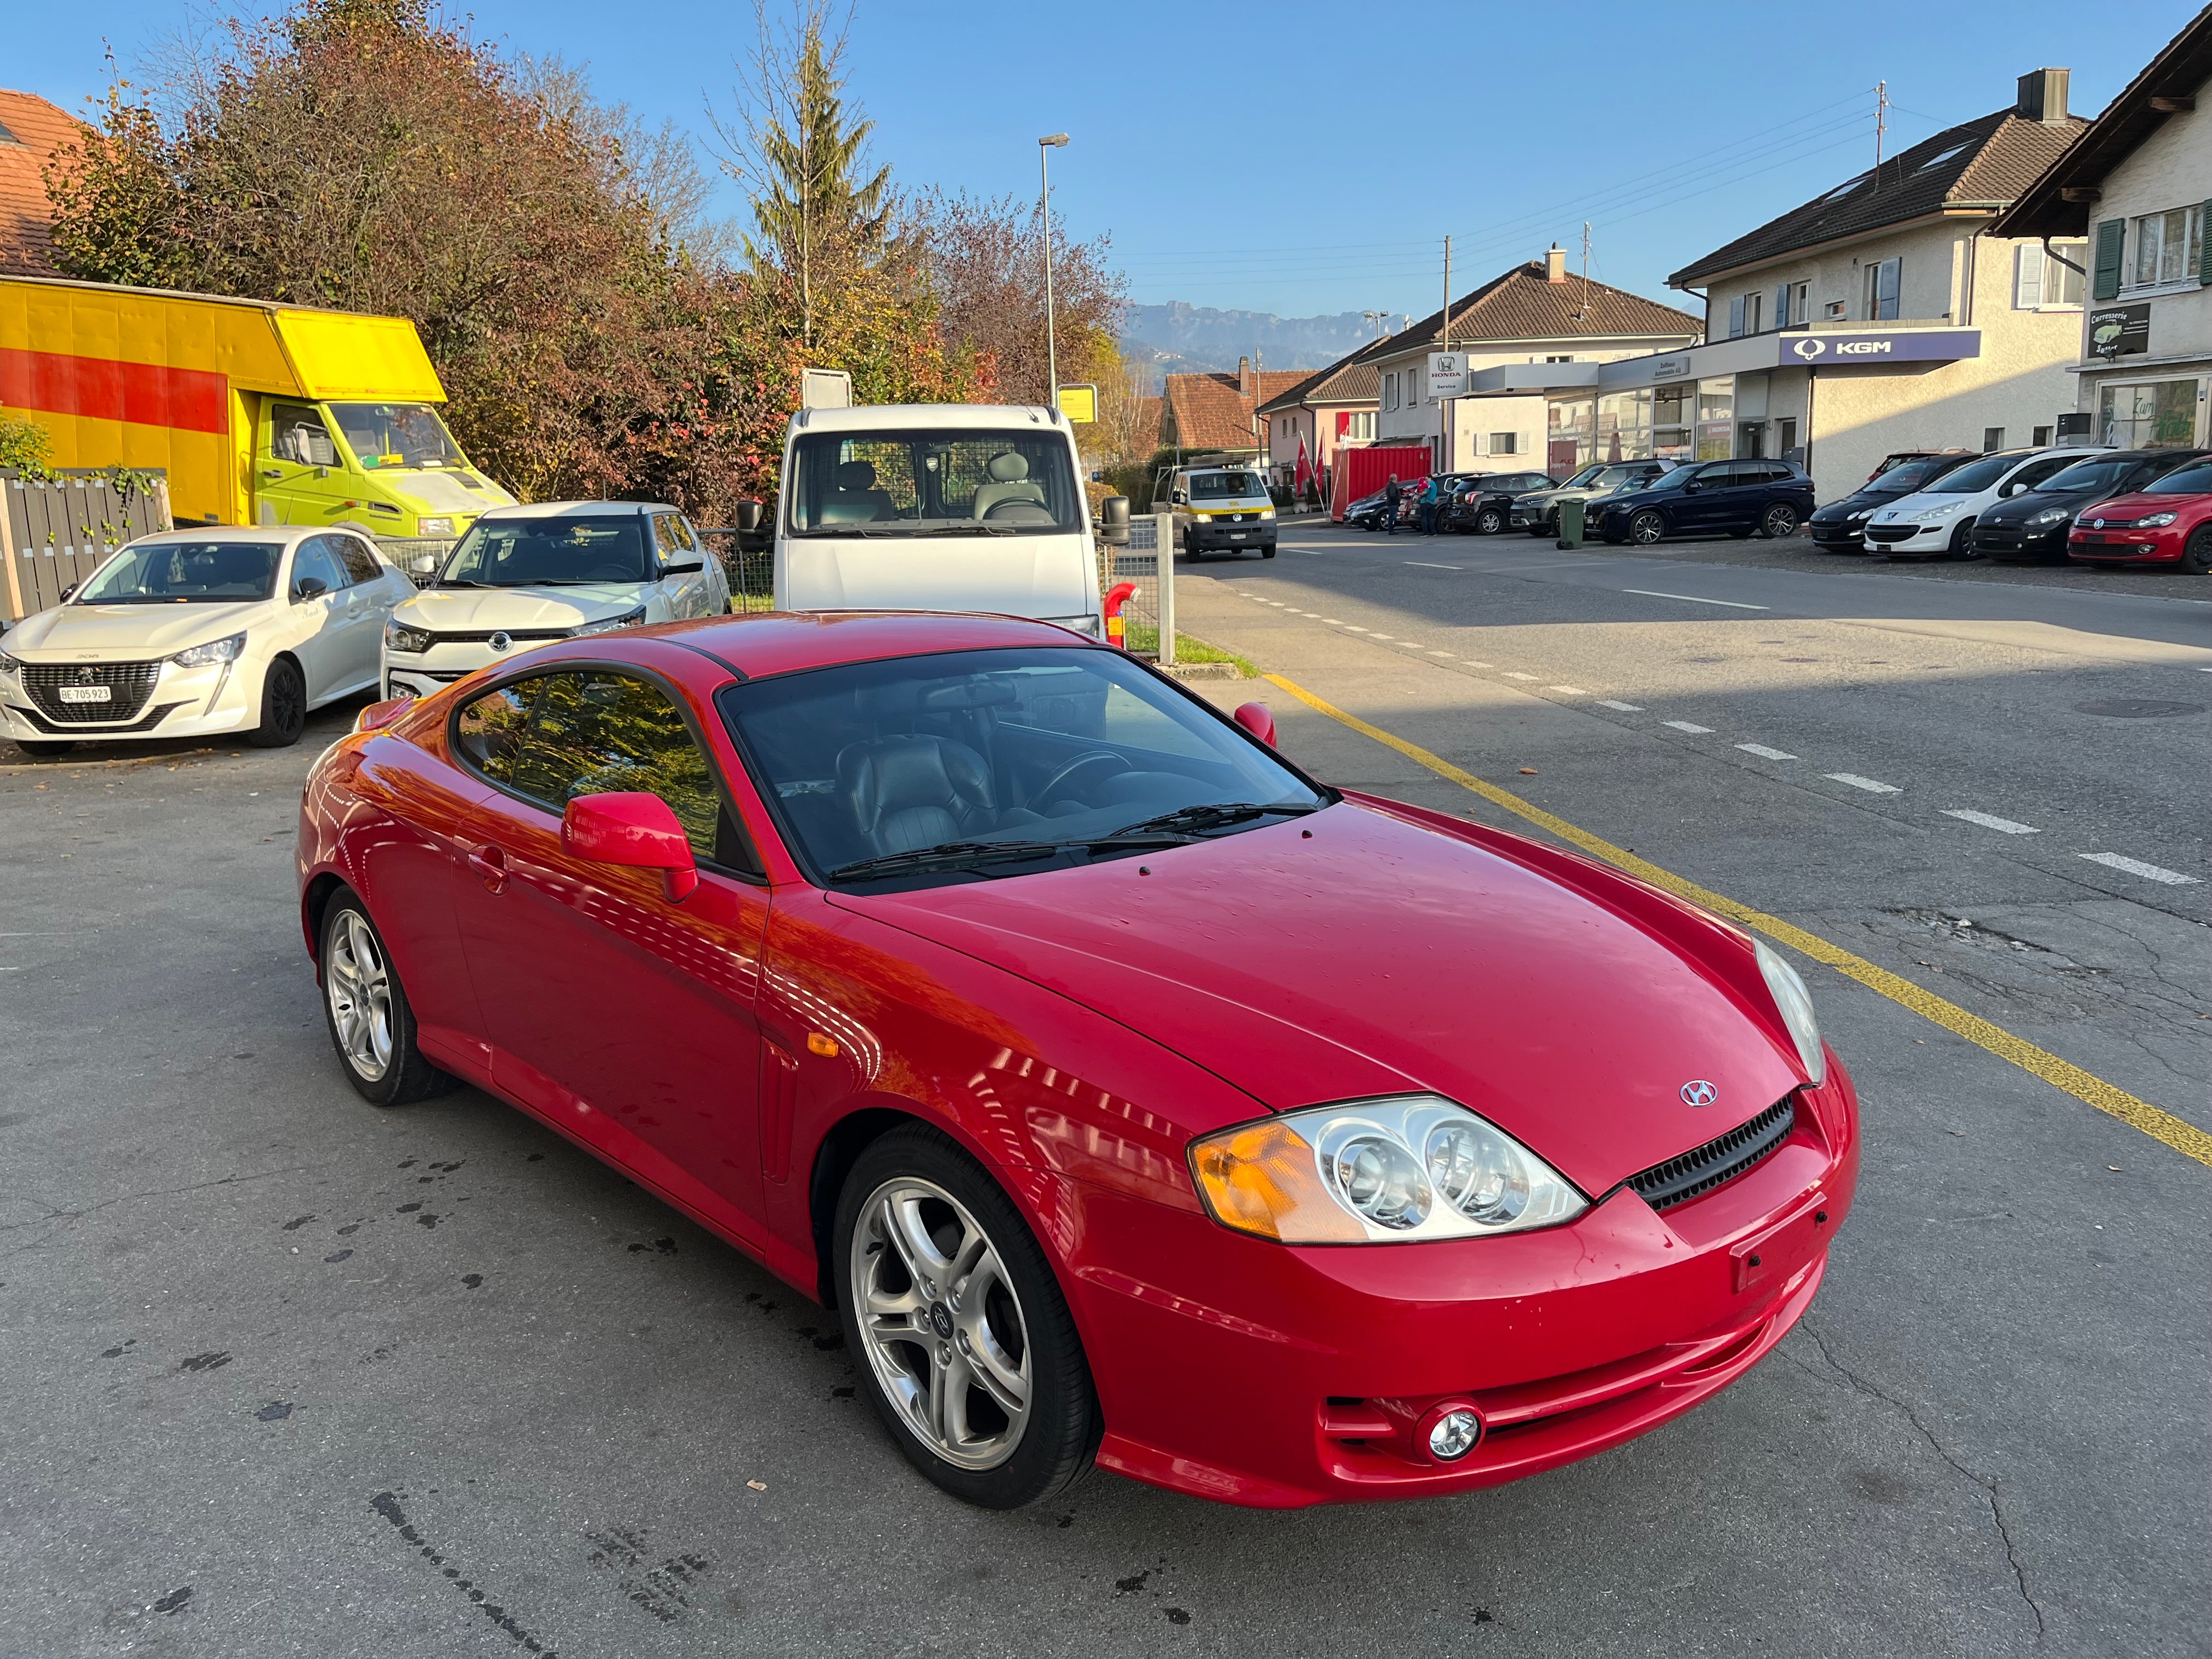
2031 528
1482 503
1711 498
1840 527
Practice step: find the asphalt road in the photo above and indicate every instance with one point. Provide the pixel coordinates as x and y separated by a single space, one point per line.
287 1374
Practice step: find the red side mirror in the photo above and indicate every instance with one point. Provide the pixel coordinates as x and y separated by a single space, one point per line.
1255 717
635 830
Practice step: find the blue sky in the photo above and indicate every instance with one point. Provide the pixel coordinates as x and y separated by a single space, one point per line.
1302 159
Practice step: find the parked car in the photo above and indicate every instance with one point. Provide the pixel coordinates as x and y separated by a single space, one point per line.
940 964
1537 511
2033 528
1840 527
1480 505
2167 521
525 575
1709 497
1373 512
1937 521
192 633
1366 512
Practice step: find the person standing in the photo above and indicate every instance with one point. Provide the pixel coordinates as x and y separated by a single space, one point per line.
1428 505
1392 495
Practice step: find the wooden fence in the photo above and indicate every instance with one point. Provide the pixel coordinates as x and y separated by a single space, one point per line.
54 534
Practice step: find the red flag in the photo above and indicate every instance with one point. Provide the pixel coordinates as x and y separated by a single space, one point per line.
1306 472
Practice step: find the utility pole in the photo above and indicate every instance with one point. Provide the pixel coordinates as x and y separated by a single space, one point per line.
1585 310
1444 404
1880 125
1051 142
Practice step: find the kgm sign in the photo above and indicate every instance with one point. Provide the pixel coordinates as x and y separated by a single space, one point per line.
1812 347
1932 345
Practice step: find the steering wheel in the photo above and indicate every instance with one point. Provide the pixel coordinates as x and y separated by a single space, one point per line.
1093 767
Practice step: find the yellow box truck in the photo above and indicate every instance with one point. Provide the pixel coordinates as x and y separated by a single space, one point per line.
260 413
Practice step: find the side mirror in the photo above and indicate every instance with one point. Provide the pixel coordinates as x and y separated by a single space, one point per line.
682 569
749 517
635 830
423 564
70 593
1691 486
1114 521
1178 499
307 587
1255 717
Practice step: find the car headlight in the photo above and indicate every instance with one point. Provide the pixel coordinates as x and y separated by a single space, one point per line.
1931 514
2050 515
1796 1004
1267 513
1412 1169
2156 521
9 664
215 651
609 625
398 636
433 526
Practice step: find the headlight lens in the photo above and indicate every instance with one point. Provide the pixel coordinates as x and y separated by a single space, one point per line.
2156 521
398 636
8 665
1267 513
433 526
1413 1169
2050 515
1796 1004
1928 514
609 625
215 651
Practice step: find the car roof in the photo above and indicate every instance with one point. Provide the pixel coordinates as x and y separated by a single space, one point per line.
577 509
772 642
236 532
877 417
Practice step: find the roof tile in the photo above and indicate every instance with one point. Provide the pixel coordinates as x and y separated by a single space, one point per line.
37 128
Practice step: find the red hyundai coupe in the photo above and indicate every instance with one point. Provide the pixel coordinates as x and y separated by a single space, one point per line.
1132 1096
2167 521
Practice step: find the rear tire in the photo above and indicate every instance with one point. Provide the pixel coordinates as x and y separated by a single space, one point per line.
283 707
43 751
365 1009
1489 521
907 1356
2196 551
1778 521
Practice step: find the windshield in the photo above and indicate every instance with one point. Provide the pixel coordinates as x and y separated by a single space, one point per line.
915 482
1975 476
2194 480
182 573
1674 480
1219 486
2101 476
1588 475
555 551
385 436
1907 477
1613 477
1005 750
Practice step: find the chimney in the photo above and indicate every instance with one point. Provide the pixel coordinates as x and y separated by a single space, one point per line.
2042 97
1244 381
1555 263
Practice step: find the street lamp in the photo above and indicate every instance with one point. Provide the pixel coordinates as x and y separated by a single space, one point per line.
1050 141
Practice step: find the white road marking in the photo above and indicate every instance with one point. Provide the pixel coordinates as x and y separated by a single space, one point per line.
1692 598
1477 662
1694 731
2136 867
1354 628
1412 645
1422 564
1625 708
1571 690
1332 622
1987 822
1764 753
1867 784
1385 638
1435 653
1510 675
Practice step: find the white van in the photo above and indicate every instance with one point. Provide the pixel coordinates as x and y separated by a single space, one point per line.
936 507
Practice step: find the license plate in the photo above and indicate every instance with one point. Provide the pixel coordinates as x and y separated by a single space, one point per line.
86 694
1235 535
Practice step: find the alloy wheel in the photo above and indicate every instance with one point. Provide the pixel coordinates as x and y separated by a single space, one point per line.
1647 528
359 986
942 1327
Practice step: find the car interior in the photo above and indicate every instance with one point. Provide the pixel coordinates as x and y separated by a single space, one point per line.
929 480
521 552
189 570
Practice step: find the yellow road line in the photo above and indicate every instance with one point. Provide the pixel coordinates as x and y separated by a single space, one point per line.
2183 1136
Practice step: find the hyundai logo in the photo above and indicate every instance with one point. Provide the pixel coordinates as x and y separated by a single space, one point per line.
1699 1092
501 641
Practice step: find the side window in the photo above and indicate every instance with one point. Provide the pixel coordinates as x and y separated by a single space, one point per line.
1716 477
1774 473
361 562
2031 477
487 733
313 559
598 733
296 433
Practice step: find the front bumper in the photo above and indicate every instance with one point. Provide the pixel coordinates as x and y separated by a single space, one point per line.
1298 1376
2011 541
1910 540
417 674
1839 535
182 703
1212 536
1530 518
2103 546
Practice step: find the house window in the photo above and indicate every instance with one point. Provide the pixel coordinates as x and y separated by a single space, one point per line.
1800 304
1883 280
1559 360
1992 440
1505 443
2168 246
1834 310
1751 310
2041 281
2042 436
1361 427
1785 437
1390 391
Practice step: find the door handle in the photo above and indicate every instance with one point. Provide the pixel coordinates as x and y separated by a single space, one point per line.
490 863
271 472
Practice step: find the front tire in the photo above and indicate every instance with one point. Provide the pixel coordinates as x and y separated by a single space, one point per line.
1961 545
38 750
1646 528
283 707
366 1010
967 1349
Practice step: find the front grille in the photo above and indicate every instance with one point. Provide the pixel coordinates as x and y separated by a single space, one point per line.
1698 1171
485 636
129 685
1891 532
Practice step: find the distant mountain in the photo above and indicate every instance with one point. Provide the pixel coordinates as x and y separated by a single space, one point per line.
1179 338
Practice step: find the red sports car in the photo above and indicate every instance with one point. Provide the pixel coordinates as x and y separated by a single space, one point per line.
2167 521
1132 1096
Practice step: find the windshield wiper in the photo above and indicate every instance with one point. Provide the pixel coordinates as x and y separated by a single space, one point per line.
850 529
463 581
1210 815
951 855
579 581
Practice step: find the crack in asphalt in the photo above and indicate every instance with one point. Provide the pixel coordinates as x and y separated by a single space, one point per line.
1987 1483
54 1214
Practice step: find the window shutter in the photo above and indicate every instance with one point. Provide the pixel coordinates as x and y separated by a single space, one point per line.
2204 244
1736 318
2027 278
2111 235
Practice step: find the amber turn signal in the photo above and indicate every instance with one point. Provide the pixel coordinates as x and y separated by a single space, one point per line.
1262 1179
818 1044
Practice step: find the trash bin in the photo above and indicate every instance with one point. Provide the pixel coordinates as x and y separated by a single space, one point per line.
1570 524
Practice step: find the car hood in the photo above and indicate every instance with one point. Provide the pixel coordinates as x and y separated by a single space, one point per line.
83 633
1864 500
1382 956
473 610
2116 506
1922 501
2017 508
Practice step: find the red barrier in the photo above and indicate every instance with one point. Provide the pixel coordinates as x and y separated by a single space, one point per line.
1115 628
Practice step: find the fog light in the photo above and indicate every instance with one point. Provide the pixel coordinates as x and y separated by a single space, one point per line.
1452 1436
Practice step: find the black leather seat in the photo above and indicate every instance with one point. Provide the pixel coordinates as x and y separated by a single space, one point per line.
915 791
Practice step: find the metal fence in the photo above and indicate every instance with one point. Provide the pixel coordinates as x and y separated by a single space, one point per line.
1148 560
54 533
749 561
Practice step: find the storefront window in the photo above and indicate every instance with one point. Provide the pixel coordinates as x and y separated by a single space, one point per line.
1716 419
1623 426
2153 415
1674 418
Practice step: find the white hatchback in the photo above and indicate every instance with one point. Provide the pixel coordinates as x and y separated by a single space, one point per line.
526 575
192 633
1938 523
